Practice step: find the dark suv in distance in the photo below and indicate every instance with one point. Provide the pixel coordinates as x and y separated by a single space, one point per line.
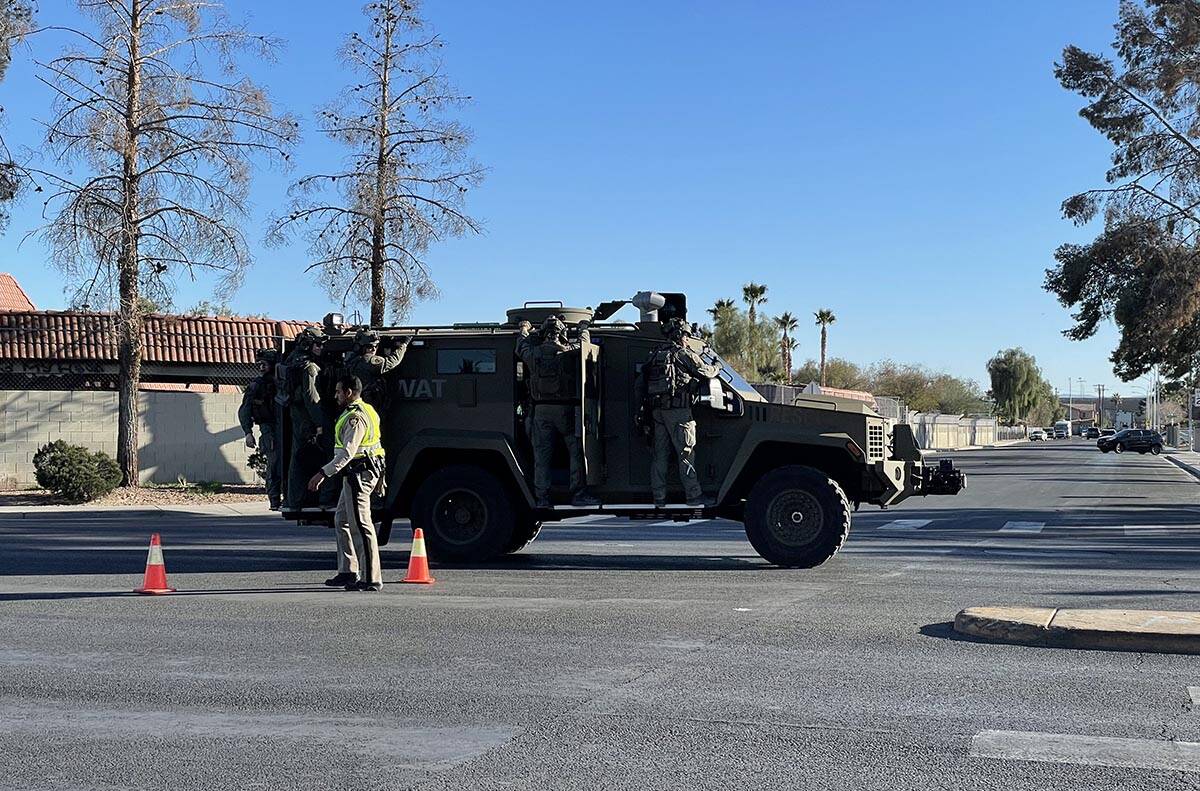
1092 432
1141 440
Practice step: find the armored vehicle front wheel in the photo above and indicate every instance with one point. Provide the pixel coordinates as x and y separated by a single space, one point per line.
525 531
797 517
467 514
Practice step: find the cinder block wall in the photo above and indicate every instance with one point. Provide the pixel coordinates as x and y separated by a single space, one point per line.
195 435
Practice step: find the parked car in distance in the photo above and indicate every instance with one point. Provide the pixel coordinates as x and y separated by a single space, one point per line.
1141 440
1107 432
1037 435
1092 432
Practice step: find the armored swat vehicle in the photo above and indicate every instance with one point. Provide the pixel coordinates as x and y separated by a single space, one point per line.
456 429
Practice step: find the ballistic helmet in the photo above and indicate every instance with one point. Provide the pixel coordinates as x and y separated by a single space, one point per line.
676 329
553 327
365 338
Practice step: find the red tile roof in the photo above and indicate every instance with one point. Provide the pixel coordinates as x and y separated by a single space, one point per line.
12 296
74 335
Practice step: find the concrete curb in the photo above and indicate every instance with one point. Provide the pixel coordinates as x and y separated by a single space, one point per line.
1001 444
1183 465
199 509
1150 631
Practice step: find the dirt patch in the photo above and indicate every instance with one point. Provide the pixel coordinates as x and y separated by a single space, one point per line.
167 494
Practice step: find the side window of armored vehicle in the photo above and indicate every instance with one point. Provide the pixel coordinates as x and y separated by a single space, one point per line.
466 361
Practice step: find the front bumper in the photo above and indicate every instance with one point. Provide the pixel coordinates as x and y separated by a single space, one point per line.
889 482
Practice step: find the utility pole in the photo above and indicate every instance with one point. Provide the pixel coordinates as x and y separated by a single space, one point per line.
1082 387
1070 399
1099 406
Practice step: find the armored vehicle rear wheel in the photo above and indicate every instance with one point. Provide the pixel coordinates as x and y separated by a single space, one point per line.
525 531
797 517
467 514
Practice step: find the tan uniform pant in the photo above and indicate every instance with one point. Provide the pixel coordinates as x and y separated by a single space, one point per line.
674 429
357 544
550 420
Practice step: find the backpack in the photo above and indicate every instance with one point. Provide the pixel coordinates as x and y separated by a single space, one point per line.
662 374
548 371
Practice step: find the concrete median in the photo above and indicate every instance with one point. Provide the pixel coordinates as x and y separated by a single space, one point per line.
1157 631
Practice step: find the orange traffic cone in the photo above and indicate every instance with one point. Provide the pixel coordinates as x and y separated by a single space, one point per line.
155 581
418 562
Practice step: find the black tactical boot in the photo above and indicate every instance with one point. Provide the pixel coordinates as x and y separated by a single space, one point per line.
342 579
582 498
701 502
543 502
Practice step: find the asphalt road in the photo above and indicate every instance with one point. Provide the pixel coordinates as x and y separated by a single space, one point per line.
612 654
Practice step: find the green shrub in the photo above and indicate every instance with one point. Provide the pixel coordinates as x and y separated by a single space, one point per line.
74 472
258 463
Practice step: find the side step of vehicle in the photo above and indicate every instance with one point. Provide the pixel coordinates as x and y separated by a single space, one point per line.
678 512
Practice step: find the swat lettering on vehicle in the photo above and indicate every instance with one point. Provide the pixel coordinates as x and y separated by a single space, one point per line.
420 388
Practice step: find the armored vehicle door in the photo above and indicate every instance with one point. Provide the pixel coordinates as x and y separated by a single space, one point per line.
590 416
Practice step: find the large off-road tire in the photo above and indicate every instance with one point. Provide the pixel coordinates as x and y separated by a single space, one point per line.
466 513
1156 449
525 531
1104 450
797 517
1119 447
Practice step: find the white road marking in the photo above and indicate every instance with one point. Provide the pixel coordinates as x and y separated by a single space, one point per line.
904 524
1155 530
1065 748
1194 692
1022 527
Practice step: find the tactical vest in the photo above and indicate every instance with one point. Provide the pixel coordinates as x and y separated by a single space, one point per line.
667 384
371 444
550 372
296 385
262 400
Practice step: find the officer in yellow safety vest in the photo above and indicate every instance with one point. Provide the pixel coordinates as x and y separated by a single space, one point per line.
358 456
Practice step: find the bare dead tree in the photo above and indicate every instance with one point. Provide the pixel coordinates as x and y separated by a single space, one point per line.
16 19
154 133
402 187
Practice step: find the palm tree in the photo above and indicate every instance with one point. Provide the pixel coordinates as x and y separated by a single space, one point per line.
753 295
787 324
824 318
720 310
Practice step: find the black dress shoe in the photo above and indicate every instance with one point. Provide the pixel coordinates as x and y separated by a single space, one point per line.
366 587
341 579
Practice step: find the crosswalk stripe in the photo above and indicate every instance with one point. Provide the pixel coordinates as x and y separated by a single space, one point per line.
1087 750
905 524
1140 531
1022 527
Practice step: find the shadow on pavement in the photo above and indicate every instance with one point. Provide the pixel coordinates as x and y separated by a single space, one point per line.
60 595
945 631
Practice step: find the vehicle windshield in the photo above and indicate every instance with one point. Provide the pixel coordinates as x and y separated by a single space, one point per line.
732 377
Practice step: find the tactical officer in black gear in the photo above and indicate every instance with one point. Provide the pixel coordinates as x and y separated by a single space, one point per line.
309 424
369 366
668 386
258 408
554 404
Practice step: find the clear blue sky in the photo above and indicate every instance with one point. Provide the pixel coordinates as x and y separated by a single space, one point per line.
899 163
